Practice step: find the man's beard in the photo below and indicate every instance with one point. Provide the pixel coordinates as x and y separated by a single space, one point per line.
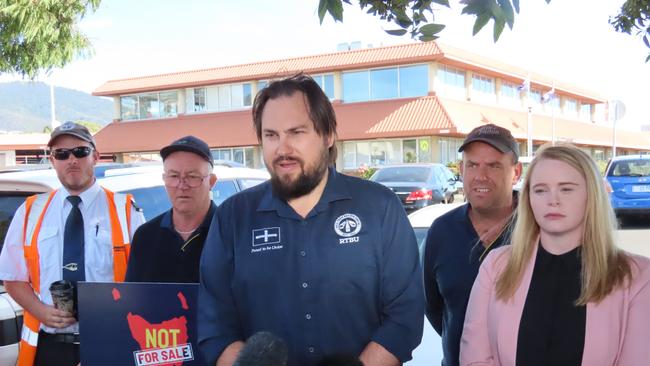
305 182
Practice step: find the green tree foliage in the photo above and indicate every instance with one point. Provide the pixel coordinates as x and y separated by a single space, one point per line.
38 35
634 17
93 127
416 17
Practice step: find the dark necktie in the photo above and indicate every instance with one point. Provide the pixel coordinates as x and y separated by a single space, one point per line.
73 243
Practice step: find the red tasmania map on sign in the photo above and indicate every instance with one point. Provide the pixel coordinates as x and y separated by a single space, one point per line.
164 343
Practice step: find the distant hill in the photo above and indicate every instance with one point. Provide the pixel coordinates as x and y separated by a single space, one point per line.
25 106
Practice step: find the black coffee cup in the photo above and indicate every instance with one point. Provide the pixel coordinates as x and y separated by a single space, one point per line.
63 296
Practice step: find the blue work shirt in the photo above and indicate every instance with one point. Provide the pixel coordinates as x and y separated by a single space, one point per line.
452 257
345 275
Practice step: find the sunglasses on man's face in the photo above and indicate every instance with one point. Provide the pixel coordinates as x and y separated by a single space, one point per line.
78 152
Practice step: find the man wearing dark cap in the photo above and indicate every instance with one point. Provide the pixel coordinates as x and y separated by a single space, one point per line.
459 240
168 247
80 232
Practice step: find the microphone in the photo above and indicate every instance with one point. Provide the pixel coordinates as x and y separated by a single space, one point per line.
340 360
263 349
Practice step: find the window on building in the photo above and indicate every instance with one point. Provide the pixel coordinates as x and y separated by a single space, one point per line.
199 100
450 82
553 105
363 153
168 104
241 155
262 84
449 149
350 155
385 152
451 76
248 94
383 84
410 151
570 107
377 84
535 98
326 83
382 152
356 86
149 106
483 88
219 98
236 96
129 107
413 81
585 112
483 84
510 94
424 150
224 97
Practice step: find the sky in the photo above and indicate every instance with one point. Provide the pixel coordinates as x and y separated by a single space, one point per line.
568 40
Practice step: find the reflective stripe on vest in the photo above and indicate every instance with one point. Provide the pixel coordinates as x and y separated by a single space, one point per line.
119 209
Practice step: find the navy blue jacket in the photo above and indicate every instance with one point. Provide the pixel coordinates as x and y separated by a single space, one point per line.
159 254
452 256
345 275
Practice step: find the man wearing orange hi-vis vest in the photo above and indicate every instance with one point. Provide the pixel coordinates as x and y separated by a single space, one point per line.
80 232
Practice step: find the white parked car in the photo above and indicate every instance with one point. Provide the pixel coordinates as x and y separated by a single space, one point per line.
422 219
429 352
144 182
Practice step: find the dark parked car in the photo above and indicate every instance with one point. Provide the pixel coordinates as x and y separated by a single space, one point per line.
628 183
418 185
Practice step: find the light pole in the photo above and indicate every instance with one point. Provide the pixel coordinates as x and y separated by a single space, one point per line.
619 112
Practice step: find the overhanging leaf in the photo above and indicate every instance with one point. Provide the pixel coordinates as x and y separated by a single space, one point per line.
480 22
431 29
498 28
508 12
396 32
442 2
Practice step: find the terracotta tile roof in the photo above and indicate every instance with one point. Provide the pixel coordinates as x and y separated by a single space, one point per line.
423 116
408 117
466 116
217 129
412 52
356 121
23 141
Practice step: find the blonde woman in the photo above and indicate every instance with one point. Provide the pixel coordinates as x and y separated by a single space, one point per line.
562 293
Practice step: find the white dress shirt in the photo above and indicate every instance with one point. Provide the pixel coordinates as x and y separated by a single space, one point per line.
98 245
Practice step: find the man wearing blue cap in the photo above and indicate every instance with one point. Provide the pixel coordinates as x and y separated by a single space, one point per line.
168 247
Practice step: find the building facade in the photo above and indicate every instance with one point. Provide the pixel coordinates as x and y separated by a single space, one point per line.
399 104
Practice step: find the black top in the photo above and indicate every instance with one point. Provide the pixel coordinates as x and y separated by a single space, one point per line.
552 329
452 257
159 253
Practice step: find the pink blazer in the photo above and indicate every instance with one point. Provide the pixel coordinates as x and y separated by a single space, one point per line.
617 328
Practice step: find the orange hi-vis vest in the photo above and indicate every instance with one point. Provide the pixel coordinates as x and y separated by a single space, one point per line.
119 210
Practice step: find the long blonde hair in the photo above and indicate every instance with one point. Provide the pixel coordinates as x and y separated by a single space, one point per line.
604 266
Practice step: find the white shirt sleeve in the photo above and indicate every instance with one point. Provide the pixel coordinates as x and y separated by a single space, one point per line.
12 258
137 219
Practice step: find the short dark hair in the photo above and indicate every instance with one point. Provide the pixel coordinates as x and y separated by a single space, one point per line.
319 107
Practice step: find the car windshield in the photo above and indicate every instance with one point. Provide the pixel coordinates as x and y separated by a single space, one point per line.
9 203
630 168
403 174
